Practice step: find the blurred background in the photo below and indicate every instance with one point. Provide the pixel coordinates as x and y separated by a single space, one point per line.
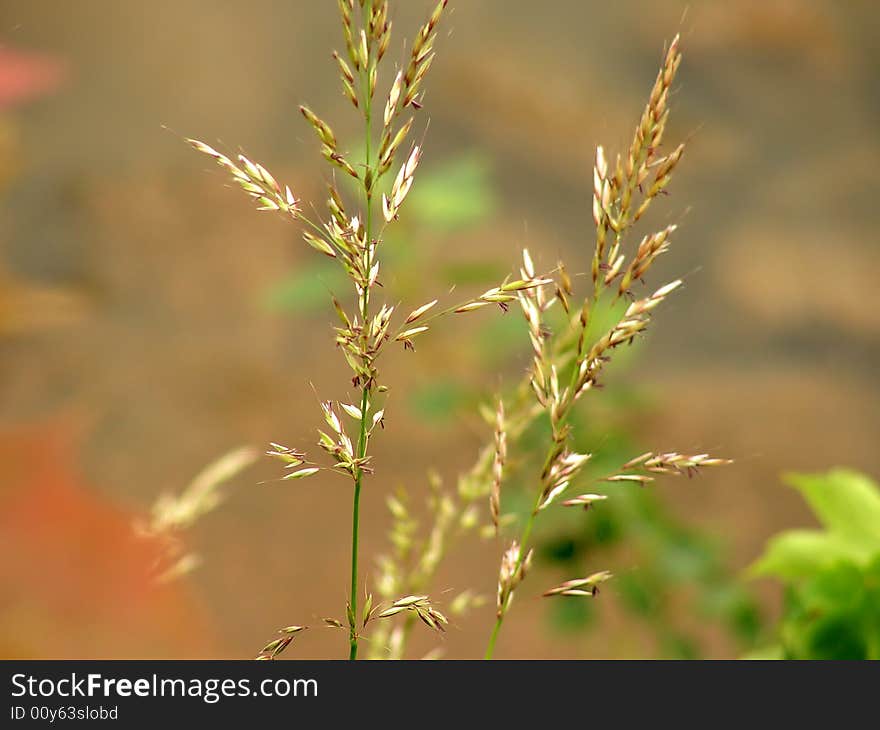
151 321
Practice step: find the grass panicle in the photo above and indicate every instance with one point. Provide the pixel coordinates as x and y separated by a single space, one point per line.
566 362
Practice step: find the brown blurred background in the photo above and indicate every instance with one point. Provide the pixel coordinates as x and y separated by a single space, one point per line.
140 337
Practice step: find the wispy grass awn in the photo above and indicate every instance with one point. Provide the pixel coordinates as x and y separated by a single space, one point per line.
568 354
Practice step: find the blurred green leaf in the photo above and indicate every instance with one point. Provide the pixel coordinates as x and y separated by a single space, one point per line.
800 553
831 576
679 646
745 619
639 592
686 560
307 290
454 194
502 337
568 615
838 587
731 603
764 653
438 400
603 528
848 505
837 636
846 502
464 273
558 549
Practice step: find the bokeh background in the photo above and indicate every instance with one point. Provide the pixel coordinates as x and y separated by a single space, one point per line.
150 320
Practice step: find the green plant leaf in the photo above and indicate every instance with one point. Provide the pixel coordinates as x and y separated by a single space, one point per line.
453 195
800 553
438 400
639 592
501 338
765 653
473 273
838 636
307 289
568 616
837 588
846 502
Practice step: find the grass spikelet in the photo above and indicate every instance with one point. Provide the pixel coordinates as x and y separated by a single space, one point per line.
498 465
402 184
581 587
566 362
172 514
421 607
275 647
255 180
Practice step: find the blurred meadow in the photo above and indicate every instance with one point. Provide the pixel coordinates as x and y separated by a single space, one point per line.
151 321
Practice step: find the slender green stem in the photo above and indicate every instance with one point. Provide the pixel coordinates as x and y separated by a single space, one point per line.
563 355
365 391
523 551
524 538
355 524
316 228
558 436
490 650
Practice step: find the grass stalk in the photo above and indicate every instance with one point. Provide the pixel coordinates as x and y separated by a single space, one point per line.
365 391
523 551
355 525
566 364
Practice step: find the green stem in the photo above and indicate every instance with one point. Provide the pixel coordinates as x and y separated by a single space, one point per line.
563 356
523 551
557 436
365 391
524 538
490 650
355 524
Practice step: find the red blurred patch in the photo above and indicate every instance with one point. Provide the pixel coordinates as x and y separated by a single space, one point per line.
27 76
74 577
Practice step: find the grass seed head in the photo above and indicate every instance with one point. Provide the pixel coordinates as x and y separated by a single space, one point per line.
498 464
582 587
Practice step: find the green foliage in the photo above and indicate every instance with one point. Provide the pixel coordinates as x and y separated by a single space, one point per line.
450 196
453 195
306 290
831 576
458 194
669 565
439 400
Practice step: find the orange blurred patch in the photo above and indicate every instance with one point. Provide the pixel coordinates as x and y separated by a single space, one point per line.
27 76
75 579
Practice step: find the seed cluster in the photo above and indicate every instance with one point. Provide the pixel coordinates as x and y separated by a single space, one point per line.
514 566
255 180
498 465
173 514
566 363
420 606
353 238
275 647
